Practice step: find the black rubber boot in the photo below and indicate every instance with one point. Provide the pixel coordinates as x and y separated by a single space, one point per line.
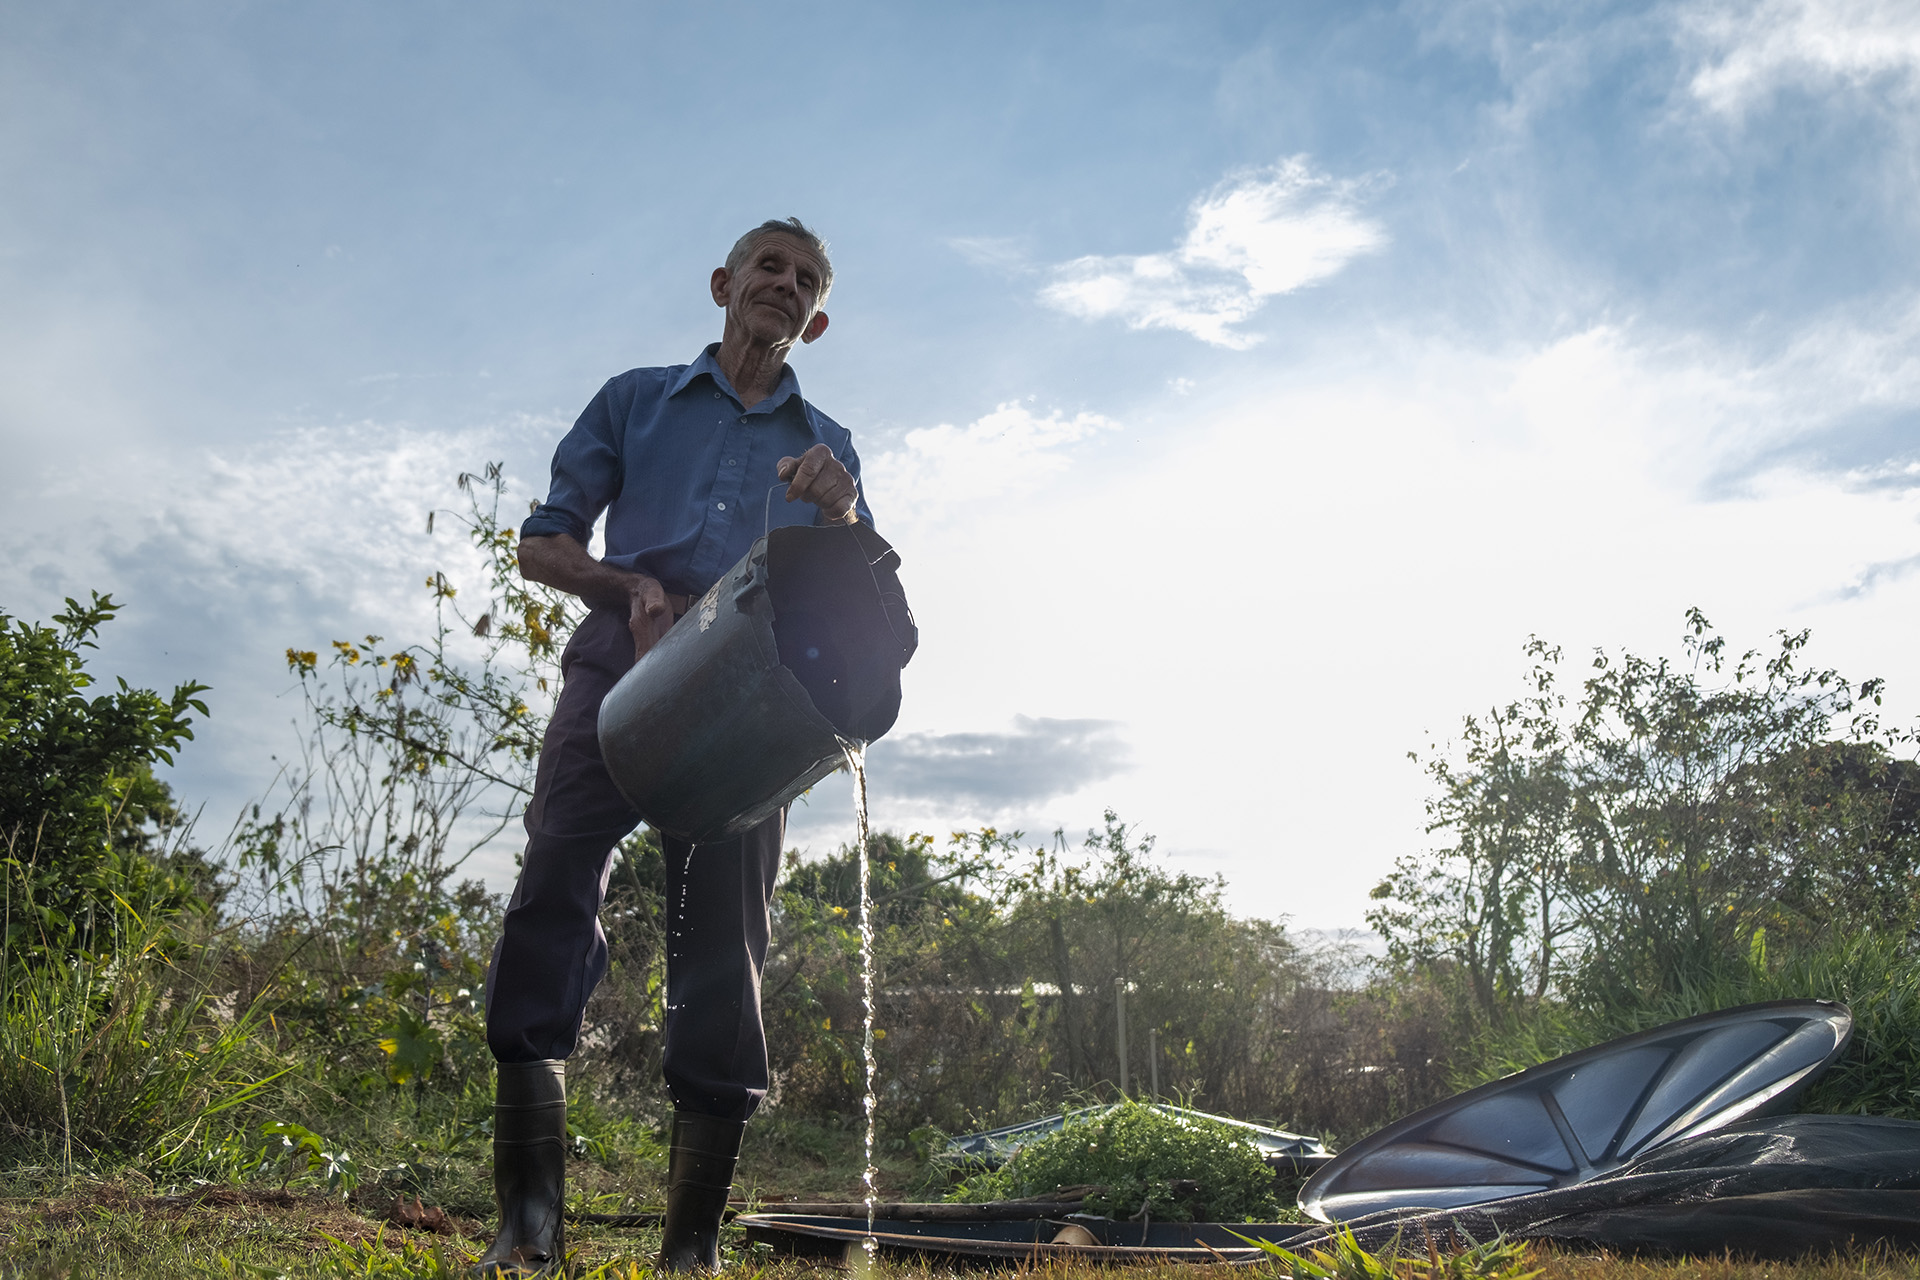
529 1170
699 1174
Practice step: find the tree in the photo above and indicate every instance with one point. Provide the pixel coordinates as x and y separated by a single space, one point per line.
82 817
1695 810
1488 904
1193 972
1661 831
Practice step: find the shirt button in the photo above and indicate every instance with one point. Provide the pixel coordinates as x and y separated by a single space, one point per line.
721 505
716 395
729 461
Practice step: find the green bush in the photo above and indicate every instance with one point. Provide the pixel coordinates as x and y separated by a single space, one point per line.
1171 1168
81 815
1872 974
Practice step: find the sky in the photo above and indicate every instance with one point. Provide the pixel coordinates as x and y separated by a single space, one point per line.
1242 384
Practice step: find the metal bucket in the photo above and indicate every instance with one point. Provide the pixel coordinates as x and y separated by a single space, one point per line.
743 704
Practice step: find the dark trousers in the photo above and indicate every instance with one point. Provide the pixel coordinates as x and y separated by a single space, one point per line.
552 952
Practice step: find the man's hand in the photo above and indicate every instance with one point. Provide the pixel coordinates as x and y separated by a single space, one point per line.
817 476
559 561
649 615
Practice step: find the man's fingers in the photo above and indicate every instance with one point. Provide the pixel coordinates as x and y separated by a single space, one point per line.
807 472
649 616
833 496
817 476
641 625
840 496
820 478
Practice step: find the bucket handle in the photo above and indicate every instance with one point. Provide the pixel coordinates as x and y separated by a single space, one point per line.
766 522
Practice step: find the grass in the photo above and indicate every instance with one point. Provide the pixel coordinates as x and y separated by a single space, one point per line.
794 1157
101 1230
56 1227
124 1051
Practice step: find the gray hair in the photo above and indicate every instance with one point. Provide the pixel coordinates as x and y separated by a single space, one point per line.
799 231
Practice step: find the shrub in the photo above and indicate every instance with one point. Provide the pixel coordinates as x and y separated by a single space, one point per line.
1141 1161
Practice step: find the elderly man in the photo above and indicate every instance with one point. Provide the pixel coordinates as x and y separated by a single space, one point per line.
683 460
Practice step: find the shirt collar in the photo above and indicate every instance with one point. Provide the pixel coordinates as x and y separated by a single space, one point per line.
709 364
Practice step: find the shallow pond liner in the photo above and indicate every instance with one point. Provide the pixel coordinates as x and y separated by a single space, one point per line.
1586 1115
1078 1237
990 1148
1777 1188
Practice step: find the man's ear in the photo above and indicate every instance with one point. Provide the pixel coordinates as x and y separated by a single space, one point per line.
815 327
721 279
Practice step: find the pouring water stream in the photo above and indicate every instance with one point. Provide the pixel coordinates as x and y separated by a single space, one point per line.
856 754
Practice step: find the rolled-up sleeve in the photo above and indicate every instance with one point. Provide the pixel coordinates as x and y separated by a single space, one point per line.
586 473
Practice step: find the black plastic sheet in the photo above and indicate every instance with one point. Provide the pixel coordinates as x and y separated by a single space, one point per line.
1587 1114
1774 1188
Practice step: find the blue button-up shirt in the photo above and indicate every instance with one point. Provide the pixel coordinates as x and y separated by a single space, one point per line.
684 471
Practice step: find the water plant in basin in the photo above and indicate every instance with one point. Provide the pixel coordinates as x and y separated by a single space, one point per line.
1140 1163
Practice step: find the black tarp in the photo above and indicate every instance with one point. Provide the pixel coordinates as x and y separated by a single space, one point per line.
1774 1188
1782 1187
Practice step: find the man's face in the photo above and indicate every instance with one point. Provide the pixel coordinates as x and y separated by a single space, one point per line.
774 295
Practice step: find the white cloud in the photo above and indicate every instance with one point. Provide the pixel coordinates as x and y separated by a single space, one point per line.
1008 451
1284 587
1255 236
978 773
1752 51
1873 360
1000 253
324 513
225 557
